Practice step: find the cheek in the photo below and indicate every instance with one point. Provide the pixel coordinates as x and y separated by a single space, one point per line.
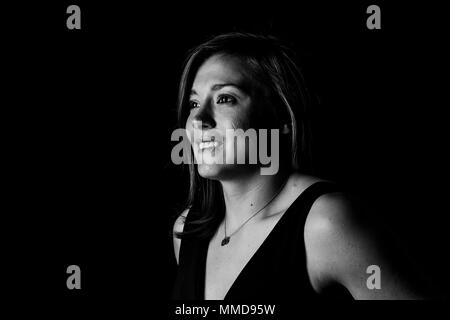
236 120
189 119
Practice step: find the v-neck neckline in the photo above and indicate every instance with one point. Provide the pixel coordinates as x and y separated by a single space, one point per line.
255 254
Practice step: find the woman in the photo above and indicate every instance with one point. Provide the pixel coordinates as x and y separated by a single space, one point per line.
285 235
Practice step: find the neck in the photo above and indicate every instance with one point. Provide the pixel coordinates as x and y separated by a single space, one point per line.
245 195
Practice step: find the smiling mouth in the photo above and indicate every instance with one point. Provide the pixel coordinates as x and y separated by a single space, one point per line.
208 145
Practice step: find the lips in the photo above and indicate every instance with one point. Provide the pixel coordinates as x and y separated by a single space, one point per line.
208 142
208 145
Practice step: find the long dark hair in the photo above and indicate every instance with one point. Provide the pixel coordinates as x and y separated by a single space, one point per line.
272 64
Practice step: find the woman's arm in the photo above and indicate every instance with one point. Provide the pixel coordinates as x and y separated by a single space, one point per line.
343 246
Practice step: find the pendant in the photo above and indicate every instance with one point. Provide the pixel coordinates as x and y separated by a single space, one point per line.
225 241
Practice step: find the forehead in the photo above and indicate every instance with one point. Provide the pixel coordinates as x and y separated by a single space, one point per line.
221 69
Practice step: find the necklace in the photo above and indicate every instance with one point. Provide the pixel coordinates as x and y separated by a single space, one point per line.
227 238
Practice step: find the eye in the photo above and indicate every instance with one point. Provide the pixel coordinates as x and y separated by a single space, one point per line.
225 98
193 104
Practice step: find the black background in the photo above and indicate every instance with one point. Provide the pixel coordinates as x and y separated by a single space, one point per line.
89 115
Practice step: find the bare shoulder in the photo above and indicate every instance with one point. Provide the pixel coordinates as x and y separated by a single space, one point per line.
342 242
178 226
329 212
343 239
339 218
332 211
329 215
333 217
333 228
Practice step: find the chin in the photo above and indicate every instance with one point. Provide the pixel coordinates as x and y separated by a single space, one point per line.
209 171
224 172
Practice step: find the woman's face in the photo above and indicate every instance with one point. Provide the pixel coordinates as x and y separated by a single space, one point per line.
222 99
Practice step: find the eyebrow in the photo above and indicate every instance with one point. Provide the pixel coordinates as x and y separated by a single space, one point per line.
221 85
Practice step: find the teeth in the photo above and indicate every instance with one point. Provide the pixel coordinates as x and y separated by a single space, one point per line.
209 144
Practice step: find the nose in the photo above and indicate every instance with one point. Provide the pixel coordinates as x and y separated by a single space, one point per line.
203 119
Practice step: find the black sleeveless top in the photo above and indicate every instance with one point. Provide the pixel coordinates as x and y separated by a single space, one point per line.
277 270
